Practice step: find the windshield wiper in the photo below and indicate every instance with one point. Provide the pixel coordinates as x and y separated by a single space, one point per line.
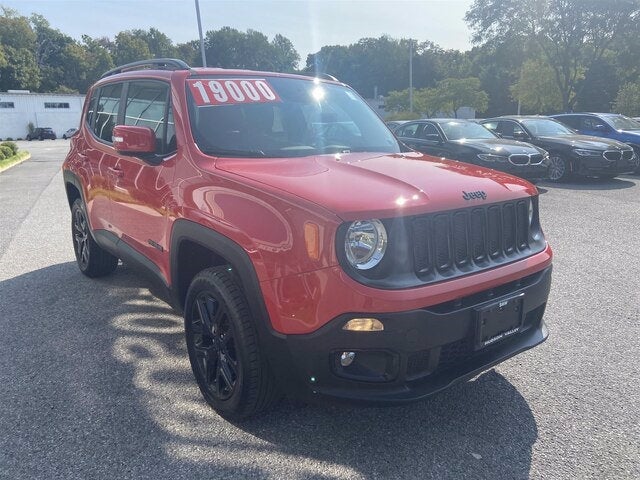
226 152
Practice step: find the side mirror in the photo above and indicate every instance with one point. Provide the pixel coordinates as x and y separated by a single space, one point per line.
498 134
130 139
601 128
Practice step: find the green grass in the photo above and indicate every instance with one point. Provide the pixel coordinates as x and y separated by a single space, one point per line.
11 161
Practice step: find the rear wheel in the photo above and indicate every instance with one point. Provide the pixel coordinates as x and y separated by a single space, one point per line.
92 259
559 168
230 369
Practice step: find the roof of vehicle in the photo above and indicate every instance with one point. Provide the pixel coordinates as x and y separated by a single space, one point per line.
517 117
165 68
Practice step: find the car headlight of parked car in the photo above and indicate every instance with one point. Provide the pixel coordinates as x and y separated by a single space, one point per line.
587 153
489 157
365 243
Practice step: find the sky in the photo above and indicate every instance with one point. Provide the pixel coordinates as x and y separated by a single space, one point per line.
309 24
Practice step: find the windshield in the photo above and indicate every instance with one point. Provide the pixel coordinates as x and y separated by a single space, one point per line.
463 130
282 117
620 122
543 127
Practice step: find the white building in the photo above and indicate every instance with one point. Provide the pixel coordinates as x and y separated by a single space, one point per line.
55 110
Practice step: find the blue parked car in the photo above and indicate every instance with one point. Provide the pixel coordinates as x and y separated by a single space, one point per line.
608 125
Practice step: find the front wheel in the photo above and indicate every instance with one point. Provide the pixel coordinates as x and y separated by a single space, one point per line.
92 259
226 358
559 168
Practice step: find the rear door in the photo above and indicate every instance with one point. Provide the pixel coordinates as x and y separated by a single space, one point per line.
100 157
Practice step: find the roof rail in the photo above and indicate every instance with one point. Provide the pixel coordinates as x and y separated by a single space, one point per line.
160 63
326 76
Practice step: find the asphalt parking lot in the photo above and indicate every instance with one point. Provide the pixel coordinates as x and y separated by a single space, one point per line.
95 381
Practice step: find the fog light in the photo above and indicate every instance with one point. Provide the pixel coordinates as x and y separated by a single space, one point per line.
347 358
364 325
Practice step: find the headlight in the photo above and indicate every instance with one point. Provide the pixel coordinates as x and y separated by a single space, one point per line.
365 243
488 157
587 153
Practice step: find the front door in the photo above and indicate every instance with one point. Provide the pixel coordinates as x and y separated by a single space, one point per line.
141 185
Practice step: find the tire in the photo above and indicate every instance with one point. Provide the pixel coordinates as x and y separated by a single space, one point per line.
230 369
559 168
92 259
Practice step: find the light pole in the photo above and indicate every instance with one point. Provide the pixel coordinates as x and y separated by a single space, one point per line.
411 76
204 59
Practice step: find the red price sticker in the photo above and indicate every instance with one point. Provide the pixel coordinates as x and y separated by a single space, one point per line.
231 91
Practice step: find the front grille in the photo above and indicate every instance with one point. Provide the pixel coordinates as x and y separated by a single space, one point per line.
536 159
448 244
613 155
519 159
627 154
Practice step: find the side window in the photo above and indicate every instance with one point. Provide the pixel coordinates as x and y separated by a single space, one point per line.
493 126
571 121
589 123
146 106
506 129
408 131
106 112
430 132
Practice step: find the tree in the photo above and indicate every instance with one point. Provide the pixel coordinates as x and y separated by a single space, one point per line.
129 47
536 88
628 100
230 48
18 67
572 35
455 93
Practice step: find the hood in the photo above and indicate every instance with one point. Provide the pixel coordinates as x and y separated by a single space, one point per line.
499 146
584 141
369 185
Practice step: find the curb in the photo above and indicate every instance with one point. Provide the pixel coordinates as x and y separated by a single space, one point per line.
3 169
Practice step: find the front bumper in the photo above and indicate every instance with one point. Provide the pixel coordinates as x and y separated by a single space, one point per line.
419 353
602 166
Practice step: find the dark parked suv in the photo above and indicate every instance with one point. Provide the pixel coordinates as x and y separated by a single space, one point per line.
569 153
42 133
607 125
308 249
469 142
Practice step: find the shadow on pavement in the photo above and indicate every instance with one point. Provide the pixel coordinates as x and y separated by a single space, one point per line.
591 183
97 384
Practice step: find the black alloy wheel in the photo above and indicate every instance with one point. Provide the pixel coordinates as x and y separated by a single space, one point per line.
229 367
559 168
81 238
92 259
214 346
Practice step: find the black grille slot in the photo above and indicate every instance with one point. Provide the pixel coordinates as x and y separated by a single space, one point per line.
460 239
422 245
627 154
509 228
495 232
478 235
522 209
613 155
442 246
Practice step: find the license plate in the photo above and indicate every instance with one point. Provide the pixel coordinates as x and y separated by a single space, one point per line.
498 320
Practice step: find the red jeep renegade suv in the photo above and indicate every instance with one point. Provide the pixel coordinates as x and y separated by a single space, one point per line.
310 251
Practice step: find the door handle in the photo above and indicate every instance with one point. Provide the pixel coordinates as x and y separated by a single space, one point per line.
116 172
